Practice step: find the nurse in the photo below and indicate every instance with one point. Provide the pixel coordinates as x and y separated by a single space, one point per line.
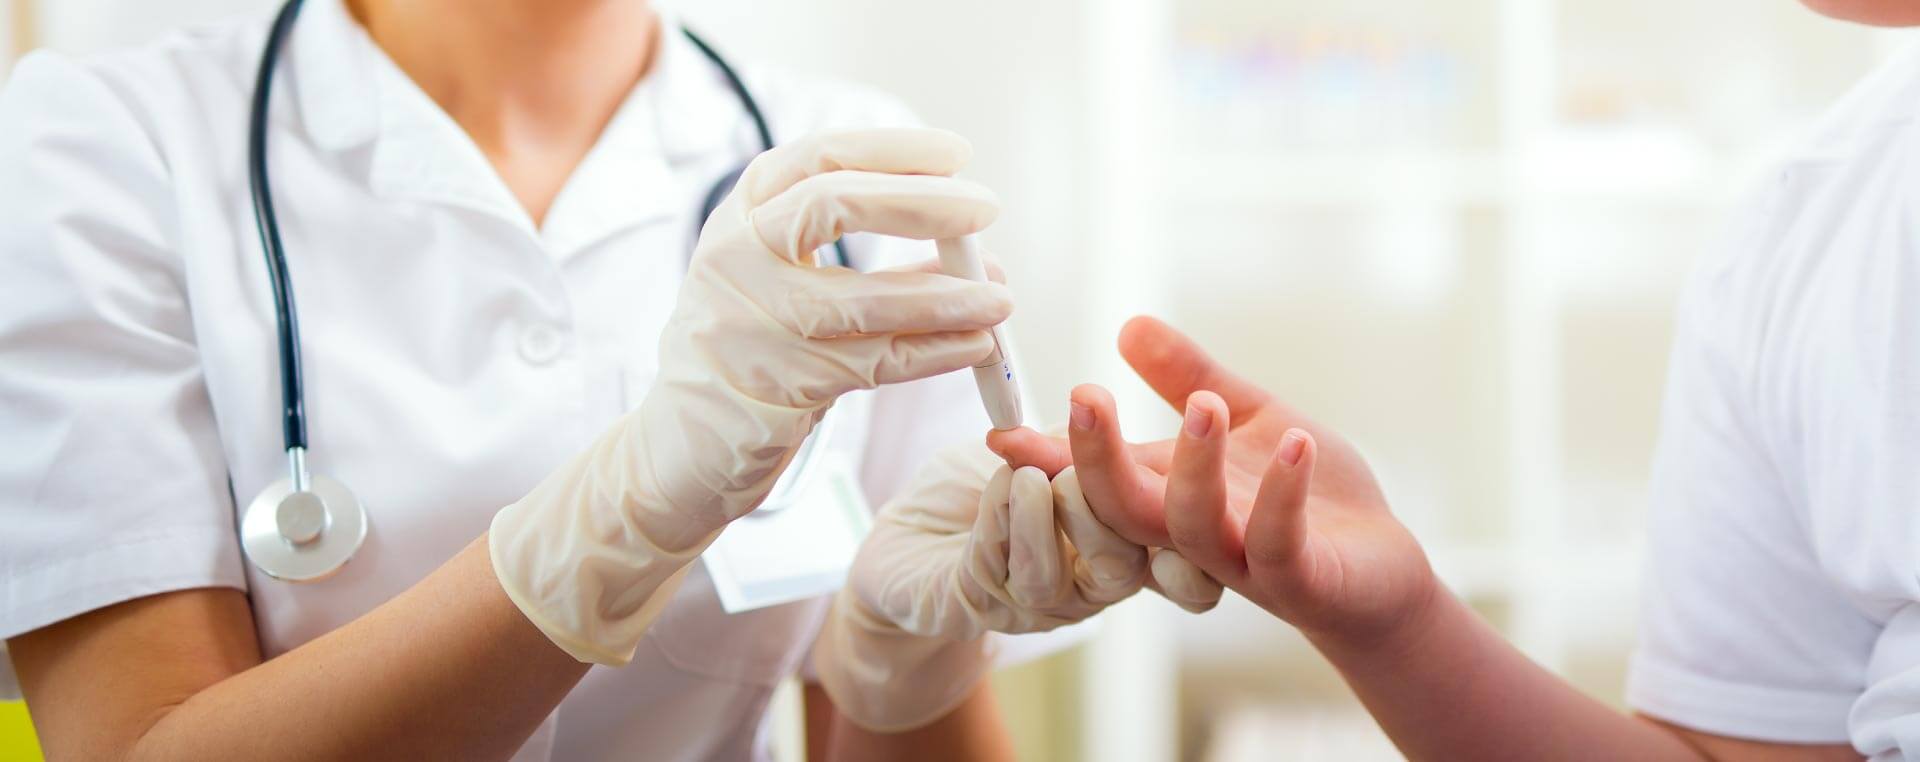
487 210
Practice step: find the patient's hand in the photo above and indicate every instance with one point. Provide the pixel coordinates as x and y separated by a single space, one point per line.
1126 482
1264 500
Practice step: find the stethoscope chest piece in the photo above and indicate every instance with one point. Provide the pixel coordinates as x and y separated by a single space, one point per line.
303 535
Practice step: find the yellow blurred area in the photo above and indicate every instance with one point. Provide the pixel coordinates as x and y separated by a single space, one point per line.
17 743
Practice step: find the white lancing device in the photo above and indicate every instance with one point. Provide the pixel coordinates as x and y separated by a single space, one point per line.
961 258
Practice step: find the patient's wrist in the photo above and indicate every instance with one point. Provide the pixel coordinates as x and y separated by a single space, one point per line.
1428 613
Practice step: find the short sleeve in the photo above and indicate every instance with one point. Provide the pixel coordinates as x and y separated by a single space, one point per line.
1742 634
114 484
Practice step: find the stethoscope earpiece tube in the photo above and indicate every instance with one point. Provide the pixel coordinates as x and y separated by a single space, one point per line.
292 385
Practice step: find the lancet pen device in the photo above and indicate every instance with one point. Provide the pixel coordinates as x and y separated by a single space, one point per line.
961 258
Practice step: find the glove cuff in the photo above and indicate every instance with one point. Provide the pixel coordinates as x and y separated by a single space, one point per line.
886 680
591 556
610 644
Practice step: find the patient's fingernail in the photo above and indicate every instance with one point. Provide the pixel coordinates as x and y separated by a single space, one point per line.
1079 416
1292 446
1199 421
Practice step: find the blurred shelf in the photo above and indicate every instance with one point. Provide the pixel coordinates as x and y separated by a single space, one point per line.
1519 569
1473 571
1638 164
1258 178
1626 164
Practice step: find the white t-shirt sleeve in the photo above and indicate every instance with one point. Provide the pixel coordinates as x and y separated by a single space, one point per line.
114 483
1742 634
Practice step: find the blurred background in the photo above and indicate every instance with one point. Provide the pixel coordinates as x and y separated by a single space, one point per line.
1453 230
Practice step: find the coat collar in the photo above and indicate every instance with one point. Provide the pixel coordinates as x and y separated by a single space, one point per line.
352 97
327 62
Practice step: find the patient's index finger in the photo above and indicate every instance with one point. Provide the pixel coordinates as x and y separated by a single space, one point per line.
1124 495
1176 366
1025 447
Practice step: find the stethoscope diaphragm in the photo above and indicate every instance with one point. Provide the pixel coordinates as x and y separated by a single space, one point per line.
303 535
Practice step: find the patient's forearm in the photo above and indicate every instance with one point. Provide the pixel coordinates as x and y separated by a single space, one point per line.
1447 686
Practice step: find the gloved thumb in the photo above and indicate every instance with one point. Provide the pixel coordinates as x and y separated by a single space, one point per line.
1180 581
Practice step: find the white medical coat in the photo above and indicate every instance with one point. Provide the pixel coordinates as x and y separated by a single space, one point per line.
454 352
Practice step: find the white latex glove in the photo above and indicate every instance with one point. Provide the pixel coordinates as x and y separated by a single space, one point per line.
973 547
760 343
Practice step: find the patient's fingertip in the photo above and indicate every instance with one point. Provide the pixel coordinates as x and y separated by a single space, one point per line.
1089 394
1293 447
1197 422
1207 399
1079 416
997 442
1144 340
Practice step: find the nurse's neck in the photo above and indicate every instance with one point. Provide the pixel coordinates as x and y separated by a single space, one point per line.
532 81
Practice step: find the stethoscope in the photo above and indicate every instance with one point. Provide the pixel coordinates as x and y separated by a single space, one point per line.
306 526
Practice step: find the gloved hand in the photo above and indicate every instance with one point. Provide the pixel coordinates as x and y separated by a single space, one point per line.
972 547
760 343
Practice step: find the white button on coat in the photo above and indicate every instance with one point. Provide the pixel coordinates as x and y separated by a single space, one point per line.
541 343
454 353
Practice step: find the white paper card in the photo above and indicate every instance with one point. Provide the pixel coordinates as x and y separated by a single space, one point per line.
800 551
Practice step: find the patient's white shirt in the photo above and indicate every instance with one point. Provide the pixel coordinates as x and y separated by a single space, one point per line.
1783 599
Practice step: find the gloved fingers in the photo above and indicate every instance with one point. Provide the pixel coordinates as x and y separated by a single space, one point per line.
1178 580
902 587
1108 568
835 302
818 210
1036 577
995 272
896 150
865 362
987 545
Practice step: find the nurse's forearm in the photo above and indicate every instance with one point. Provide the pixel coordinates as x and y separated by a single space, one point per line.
448 669
1447 686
